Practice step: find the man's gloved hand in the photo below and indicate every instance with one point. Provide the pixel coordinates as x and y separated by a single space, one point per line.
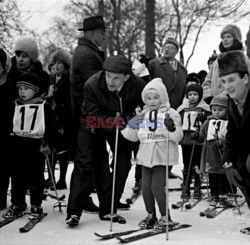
233 175
44 149
195 135
169 123
201 117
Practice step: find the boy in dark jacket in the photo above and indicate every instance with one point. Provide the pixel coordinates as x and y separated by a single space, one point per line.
193 113
33 123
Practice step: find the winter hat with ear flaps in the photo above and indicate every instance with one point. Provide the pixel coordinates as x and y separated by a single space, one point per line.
233 30
195 87
28 46
29 80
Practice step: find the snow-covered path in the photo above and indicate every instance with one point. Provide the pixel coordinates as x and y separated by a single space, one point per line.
223 230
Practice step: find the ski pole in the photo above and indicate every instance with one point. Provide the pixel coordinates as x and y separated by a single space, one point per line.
114 170
53 182
231 187
188 173
167 146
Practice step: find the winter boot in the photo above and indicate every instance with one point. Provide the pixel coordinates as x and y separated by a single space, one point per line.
36 212
185 194
163 222
197 192
214 200
149 222
72 220
14 212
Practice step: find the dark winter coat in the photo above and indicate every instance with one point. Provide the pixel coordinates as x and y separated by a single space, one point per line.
175 82
102 103
36 68
237 148
86 61
212 151
63 112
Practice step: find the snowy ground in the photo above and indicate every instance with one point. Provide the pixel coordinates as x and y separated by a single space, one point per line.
224 229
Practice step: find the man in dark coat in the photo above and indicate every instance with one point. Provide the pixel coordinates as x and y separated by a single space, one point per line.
116 89
173 74
87 59
234 74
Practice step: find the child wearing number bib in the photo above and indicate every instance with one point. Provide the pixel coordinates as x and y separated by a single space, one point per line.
33 122
193 114
213 133
153 155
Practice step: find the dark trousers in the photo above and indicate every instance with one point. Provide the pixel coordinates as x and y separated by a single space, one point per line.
27 172
195 161
91 158
5 170
123 164
218 184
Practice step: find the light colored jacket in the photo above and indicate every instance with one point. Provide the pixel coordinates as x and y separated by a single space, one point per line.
155 153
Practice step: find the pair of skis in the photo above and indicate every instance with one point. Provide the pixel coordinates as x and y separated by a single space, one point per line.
214 211
28 226
188 204
140 234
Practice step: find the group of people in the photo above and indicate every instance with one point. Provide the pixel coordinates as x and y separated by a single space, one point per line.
90 101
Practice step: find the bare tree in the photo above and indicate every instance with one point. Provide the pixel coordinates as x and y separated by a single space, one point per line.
187 18
10 24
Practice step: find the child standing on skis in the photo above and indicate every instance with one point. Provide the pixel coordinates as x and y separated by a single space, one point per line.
213 133
33 123
158 121
193 113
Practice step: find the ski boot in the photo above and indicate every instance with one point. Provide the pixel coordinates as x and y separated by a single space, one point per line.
149 222
36 212
197 192
14 212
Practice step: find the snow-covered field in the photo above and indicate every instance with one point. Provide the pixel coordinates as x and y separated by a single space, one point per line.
224 229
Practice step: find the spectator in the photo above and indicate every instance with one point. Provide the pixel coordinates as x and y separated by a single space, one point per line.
61 60
7 98
26 60
87 59
230 40
173 74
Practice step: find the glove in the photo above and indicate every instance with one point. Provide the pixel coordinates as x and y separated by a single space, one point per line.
44 149
169 123
195 135
201 117
233 176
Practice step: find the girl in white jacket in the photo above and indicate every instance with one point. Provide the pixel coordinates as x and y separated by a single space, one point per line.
157 120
